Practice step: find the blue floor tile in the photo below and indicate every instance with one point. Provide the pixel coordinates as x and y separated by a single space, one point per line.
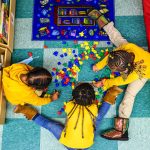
60 44
138 135
24 8
128 8
142 103
49 142
21 54
132 28
20 134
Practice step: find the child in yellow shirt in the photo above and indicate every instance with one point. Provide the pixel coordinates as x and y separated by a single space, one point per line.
132 62
81 121
20 82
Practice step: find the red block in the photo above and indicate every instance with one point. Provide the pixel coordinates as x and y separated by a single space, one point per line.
106 53
45 46
30 54
94 46
54 69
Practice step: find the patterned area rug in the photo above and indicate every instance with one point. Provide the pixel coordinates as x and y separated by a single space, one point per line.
68 19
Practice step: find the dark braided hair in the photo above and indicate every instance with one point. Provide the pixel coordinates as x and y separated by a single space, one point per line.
122 61
39 78
83 96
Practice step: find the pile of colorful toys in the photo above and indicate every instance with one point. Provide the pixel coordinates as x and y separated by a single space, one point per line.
68 74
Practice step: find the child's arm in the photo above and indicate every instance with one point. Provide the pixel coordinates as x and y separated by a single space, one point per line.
114 35
108 26
118 81
101 64
33 99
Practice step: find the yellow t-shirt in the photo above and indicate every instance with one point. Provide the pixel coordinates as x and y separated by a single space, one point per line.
18 92
140 54
72 137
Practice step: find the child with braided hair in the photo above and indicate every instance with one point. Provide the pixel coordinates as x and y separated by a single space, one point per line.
82 110
24 84
132 62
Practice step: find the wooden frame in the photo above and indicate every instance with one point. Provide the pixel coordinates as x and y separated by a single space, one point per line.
6 50
7 59
9 45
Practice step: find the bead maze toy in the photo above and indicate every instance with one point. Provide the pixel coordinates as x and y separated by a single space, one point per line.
68 19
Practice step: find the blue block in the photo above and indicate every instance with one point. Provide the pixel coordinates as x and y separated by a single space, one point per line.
52 73
61 55
117 73
55 80
63 42
59 63
70 64
57 84
65 54
64 69
73 51
55 53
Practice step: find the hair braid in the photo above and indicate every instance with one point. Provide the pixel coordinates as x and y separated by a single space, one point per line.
122 60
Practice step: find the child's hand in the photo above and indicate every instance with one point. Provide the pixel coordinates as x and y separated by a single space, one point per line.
55 96
98 84
95 69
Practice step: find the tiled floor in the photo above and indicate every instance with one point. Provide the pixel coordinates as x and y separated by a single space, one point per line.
20 134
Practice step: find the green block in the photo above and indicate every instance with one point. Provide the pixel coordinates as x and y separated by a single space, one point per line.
96 76
57 70
97 96
65 64
101 54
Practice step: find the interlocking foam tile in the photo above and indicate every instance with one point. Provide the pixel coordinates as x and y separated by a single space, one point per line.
59 44
1 136
130 8
21 134
132 28
142 103
22 11
49 142
21 54
139 135
23 32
